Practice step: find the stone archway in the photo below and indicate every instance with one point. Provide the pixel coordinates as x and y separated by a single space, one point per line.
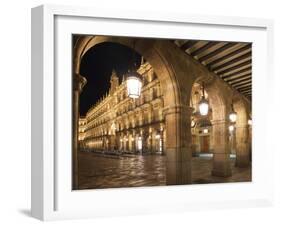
176 75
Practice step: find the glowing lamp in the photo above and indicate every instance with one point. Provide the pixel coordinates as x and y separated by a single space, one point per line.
203 106
134 84
203 103
231 128
232 115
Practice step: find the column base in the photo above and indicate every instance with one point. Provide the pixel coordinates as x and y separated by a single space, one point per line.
222 173
75 182
242 164
178 173
221 165
242 160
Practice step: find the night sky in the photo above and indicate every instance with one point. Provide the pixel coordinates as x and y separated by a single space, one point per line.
97 65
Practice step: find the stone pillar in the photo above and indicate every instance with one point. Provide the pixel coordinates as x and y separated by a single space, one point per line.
178 145
250 142
78 84
221 159
233 145
211 141
242 146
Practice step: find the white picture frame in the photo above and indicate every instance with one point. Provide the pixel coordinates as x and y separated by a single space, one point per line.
51 199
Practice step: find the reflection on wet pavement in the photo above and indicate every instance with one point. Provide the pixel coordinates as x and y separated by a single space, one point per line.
108 171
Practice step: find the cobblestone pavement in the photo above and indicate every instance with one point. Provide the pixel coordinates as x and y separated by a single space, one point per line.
108 171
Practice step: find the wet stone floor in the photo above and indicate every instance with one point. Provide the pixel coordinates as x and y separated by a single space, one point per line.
110 171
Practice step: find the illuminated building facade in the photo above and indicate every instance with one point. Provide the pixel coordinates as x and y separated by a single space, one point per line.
122 124
82 127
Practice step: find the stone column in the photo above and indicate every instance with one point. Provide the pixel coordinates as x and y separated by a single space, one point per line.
221 159
242 146
78 84
211 141
178 145
250 142
162 138
234 147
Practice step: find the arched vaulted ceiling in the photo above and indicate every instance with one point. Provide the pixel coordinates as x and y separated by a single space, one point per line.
231 61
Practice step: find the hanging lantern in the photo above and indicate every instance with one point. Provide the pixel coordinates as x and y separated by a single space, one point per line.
134 84
232 115
231 128
203 104
134 79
